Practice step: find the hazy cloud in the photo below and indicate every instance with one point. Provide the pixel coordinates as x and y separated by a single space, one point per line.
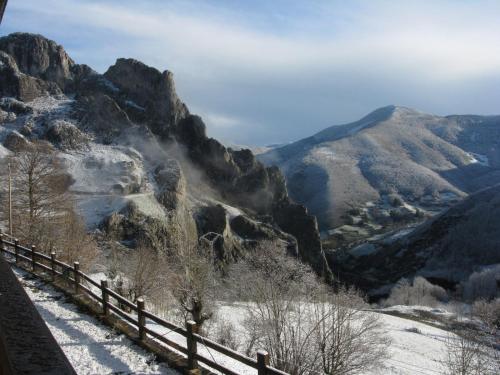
264 72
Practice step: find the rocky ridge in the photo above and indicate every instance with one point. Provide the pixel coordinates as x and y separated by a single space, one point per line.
137 155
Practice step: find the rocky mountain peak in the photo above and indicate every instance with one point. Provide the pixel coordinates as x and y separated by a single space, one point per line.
39 57
132 122
149 89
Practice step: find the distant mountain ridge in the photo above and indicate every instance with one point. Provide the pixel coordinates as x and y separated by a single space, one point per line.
422 160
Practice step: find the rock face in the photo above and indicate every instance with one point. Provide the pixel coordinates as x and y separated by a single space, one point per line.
148 95
171 184
66 136
39 57
133 227
134 105
15 142
14 83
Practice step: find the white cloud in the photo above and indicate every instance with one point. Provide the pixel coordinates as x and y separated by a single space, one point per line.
447 39
333 62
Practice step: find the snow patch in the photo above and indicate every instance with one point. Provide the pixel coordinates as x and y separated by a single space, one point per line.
479 159
132 104
102 169
324 153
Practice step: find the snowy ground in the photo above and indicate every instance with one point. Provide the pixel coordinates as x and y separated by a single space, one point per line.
91 347
94 349
416 347
410 352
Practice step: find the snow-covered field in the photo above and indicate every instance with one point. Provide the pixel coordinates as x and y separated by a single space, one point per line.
91 347
416 347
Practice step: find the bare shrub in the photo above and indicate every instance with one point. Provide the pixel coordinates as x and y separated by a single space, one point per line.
419 292
488 313
466 355
414 330
225 334
482 285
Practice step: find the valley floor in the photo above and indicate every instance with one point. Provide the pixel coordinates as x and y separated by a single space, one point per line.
91 347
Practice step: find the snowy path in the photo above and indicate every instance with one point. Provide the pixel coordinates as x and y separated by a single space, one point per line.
91 347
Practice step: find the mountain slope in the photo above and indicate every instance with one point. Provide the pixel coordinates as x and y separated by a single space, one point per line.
139 159
422 160
446 249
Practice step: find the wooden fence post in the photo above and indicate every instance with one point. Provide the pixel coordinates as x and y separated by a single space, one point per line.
76 270
192 345
105 297
53 265
16 249
33 258
262 362
141 319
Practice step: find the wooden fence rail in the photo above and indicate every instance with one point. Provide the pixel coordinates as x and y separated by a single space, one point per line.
81 281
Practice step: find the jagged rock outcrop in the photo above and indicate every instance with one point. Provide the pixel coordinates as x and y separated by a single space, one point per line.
132 101
213 227
293 218
171 184
101 115
14 83
147 94
66 135
133 227
15 142
39 57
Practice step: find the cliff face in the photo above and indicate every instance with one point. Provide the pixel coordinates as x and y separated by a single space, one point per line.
39 57
136 106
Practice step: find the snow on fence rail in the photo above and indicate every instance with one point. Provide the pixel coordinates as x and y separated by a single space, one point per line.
39 260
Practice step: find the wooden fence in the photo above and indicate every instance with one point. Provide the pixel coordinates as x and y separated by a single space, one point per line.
37 260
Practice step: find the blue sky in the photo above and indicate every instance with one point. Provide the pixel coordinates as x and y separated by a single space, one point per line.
262 72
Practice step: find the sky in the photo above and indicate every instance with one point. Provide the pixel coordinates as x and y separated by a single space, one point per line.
273 71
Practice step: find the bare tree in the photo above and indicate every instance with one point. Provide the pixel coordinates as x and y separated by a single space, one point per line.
466 355
71 241
40 185
44 214
192 271
225 334
304 325
138 272
349 339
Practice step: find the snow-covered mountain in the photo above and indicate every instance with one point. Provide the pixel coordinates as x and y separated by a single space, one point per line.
137 156
396 161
